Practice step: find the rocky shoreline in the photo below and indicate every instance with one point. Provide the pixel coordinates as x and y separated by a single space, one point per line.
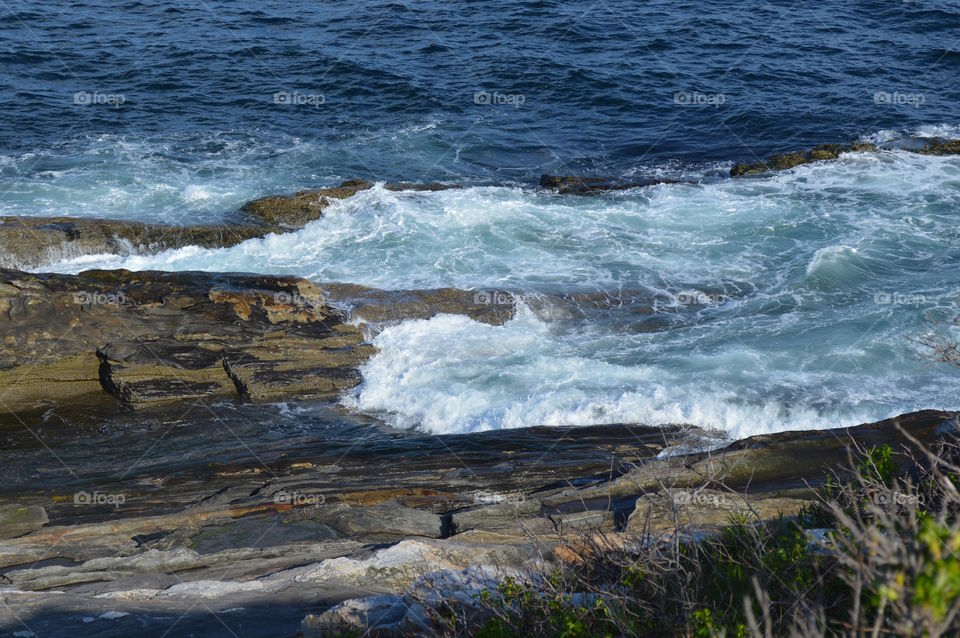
153 337
309 535
304 535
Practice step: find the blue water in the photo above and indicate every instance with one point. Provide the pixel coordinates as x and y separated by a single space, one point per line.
199 132
807 287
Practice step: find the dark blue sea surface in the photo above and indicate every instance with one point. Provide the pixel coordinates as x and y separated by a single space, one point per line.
390 90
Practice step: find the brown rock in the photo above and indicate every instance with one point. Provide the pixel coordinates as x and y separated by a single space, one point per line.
156 337
294 211
785 161
941 147
30 242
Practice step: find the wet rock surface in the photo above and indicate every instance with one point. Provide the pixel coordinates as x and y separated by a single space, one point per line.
293 211
31 242
383 307
940 147
575 185
784 161
148 338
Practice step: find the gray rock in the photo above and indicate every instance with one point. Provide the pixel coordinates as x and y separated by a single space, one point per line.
586 521
517 517
17 520
394 520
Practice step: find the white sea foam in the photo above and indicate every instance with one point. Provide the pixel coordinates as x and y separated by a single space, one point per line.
196 193
945 131
451 374
888 136
830 257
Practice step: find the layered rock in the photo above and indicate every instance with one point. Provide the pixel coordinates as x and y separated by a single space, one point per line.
151 337
346 542
30 242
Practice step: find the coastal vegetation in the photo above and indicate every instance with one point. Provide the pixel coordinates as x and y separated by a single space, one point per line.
876 555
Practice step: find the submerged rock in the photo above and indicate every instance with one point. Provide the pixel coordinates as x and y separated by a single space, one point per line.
574 185
383 307
416 186
938 146
785 161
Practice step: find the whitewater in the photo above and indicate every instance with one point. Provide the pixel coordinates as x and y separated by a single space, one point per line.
742 306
